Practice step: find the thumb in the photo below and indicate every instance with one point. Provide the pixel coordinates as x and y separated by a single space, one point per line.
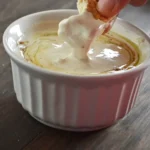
110 8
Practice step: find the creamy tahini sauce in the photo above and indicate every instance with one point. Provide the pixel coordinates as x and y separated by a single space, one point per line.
106 54
79 32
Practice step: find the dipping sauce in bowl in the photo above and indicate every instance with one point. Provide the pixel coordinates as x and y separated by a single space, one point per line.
108 53
61 90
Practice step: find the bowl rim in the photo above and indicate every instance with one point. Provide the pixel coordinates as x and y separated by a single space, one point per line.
63 74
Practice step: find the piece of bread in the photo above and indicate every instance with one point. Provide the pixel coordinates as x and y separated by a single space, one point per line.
91 6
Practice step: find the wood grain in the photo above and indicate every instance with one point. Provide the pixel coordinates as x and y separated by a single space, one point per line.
19 131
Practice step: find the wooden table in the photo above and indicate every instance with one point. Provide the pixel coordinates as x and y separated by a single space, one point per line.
19 131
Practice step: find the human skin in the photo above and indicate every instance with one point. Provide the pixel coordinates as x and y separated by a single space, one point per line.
110 8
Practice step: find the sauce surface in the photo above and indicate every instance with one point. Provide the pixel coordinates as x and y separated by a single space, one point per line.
107 54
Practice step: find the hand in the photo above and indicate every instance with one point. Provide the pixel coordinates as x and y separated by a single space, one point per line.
110 8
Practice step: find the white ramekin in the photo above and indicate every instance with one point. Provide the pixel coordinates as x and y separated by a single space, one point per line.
77 103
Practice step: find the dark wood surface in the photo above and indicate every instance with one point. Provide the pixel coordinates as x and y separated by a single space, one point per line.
19 131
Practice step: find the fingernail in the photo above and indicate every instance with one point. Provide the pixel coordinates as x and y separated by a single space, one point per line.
110 8
106 7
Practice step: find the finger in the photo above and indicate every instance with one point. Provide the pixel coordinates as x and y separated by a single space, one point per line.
110 8
138 2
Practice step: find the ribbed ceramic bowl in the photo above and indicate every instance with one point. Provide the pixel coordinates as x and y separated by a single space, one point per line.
78 103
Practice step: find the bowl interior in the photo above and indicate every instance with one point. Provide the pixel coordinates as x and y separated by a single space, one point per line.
48 20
